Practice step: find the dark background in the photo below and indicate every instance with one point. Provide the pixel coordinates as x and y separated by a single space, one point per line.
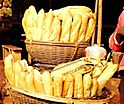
12 33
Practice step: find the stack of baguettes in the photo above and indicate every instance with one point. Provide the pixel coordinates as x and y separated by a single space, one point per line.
69 24
76 85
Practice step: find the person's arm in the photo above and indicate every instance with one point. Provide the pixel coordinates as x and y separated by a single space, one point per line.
116 40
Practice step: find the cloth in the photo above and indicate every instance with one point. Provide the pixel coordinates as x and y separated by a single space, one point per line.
113 44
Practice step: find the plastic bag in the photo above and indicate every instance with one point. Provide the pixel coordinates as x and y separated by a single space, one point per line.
95 51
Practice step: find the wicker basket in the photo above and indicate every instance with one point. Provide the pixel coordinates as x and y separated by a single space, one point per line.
53 53
23 97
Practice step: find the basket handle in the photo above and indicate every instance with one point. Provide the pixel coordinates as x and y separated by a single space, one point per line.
75 51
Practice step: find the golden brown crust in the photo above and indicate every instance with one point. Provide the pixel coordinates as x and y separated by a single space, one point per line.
66 26
39 25
78 87
24 22
22 81
87 82
68 86
47 24
83 28
90 29
75 28
58 84
47 83
8 69
38 81
17 71
31 22
94 87
55 30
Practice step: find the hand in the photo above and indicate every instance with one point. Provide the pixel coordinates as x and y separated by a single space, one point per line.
120 35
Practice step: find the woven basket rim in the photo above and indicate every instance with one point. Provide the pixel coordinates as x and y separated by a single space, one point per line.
58 99
53 43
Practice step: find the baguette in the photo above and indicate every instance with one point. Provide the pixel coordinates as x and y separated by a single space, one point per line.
80 8
39 24
87 82
78 86
105 76
75 28
22 81
94 87
55 30
47 25
30 80
58 84
17 71
68 87
66 26
8 69
24 65
24 23
90 29
31 22
38 81
97 71
64 68
81 12
47 83
83 28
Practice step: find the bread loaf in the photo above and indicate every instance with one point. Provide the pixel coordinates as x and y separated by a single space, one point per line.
83 28
8 69
58 85
47 83
30 79
47 24
75 28
66 26
78 86
96 71
38 81
68 87
17 71
80 8
39 24
22 81
31 22
105 76
24 23
90 29
55 30
94 87
87 82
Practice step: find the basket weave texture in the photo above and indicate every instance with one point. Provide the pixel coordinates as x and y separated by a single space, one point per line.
21 98
53 53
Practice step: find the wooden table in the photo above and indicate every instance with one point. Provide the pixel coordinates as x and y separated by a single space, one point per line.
113 84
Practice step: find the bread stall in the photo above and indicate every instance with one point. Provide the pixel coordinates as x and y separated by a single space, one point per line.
57 40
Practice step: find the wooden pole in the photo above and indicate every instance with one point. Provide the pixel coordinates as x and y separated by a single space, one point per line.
99 23
96 12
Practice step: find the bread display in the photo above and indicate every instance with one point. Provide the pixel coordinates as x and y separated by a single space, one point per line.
73 83
69 24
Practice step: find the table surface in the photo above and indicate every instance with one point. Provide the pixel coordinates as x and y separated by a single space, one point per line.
113 84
